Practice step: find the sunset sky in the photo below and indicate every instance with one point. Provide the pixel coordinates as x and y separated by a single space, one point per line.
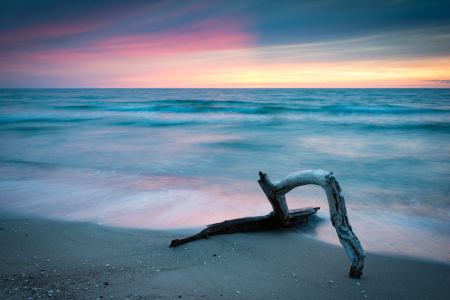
224 44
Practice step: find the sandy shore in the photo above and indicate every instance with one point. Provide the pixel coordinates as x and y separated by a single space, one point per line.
39 258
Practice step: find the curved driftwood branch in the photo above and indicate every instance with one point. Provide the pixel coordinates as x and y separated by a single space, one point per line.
283 217
275 192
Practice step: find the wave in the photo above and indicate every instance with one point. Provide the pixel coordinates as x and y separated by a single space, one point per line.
396 108
382 109
179 117
257 108
42 119
243 120
79 107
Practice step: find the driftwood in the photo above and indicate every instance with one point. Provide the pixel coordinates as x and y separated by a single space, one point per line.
296 217
282 217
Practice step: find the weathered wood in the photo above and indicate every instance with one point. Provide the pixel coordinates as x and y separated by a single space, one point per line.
281 216
280 208
296 217
336 203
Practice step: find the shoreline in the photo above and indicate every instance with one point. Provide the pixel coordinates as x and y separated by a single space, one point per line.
79 260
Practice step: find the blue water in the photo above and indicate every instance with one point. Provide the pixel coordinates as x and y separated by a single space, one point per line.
171 158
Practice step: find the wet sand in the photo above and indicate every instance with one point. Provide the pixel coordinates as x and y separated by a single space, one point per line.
73 260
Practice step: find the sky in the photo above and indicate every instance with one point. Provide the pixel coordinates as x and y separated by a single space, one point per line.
224 44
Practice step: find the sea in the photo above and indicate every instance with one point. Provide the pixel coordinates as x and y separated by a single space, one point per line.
165 159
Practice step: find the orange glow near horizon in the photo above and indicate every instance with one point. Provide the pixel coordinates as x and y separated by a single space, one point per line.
313 75
240 69
237 68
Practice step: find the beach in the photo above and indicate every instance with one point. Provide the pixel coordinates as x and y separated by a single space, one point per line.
42 258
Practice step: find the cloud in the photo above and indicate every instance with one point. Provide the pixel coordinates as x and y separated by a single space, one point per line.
439 81
293 22
223 43
203 36
84 23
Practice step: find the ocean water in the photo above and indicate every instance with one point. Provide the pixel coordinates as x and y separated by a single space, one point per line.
178 158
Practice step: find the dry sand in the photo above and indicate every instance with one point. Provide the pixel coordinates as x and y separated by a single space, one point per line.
88 261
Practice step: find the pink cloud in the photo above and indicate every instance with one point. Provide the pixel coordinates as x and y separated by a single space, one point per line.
208 35
202 36
100 18
23 35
